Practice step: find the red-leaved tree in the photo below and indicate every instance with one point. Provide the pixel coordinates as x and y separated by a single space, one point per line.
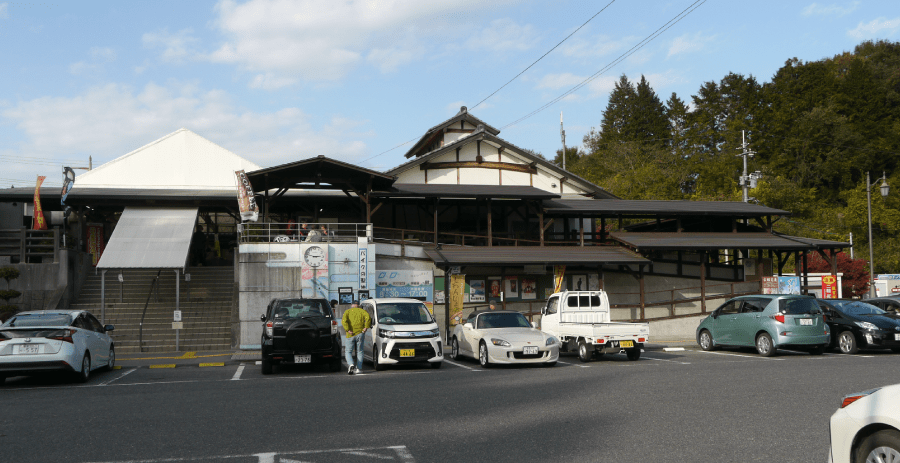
855 279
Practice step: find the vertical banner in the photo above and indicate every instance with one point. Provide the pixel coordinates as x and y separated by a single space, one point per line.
68 183
829 287
246 200
39 223
95 242
363 267
455 296
559 274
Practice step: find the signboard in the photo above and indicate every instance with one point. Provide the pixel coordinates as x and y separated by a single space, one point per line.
476 291
364 268
177 316
456 297
770 285
535 269
559 273
246 200
788 285
177 325
829 287
345 295
416 284
95 242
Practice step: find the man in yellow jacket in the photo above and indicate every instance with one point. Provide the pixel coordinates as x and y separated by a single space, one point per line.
356 322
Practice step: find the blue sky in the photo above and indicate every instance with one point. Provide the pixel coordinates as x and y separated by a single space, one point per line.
278 81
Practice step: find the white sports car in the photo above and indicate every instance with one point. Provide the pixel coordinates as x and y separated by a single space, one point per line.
503 336
867 427
52 340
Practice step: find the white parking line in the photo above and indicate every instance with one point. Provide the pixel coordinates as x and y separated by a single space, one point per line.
460 365
119 377
237 374
396 452
667 360
573 364
739 355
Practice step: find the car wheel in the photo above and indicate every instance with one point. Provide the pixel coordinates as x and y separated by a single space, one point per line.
633 353
706 341
436 365
764 345
266 366
454 348
112 359
818 350
85 372
584 351
483 355
882 446
377 366
847 343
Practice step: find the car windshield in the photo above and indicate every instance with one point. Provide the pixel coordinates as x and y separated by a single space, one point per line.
502 320
857 308
299 308
39 319
804 306
403 313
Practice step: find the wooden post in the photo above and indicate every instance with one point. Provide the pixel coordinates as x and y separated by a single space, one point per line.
703 258
581 229
541 225
641 282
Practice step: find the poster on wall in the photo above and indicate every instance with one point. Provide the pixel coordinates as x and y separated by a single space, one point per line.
363 294
476 291
345 295
593 282
512 287
788 285
579 283
770 285
416 284
529 288
494 287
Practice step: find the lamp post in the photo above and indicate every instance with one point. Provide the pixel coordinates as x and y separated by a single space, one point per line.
885 189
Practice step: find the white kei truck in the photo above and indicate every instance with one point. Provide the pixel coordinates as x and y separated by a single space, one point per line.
581 322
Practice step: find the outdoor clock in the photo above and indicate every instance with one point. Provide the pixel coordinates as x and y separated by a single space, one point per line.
314 256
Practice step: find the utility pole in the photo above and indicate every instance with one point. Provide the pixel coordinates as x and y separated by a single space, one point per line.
748 180
562 133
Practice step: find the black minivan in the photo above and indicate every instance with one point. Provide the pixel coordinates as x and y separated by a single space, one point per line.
300 331
857 325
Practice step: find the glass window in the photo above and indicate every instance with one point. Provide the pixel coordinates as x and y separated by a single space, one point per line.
403 313
804 306
754 305
94 323
858 308
502 320
584 301
552 305
572 301
299 308
730 307
595 301
40 319
80 323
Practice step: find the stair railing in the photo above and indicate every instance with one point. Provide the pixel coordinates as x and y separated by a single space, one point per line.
154 283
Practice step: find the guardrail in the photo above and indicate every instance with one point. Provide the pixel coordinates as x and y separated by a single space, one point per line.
271 232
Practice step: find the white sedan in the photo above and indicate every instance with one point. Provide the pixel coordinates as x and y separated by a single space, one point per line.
51 340
867 427
500 336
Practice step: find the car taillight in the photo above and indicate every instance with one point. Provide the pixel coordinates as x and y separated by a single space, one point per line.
334 328
640 339
849 399
62 335
269 328
778 317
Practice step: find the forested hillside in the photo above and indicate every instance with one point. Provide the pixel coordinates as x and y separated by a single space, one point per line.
817 128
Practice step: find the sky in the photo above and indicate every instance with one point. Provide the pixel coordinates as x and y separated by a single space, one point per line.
359 81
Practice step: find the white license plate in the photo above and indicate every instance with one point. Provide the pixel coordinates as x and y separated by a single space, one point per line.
897 337
303 359
806 321
533 350
27 349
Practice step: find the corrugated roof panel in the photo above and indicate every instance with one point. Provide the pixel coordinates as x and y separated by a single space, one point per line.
521 255
150 237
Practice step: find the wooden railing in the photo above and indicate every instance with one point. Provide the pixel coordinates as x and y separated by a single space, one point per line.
29 245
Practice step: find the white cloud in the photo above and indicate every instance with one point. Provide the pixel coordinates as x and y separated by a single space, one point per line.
285 41
504 35
558 81
98 57
176 46
815 9
877 27
689 43
601 45
3 10
112 120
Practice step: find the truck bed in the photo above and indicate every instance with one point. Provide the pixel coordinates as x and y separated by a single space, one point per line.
611 330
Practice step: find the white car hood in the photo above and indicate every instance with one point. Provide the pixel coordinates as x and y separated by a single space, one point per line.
420 327
515 334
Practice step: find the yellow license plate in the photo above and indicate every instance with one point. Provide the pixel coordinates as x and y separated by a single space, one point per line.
626 343
407 352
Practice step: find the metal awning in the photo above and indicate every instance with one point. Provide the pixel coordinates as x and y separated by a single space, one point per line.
150 237
710 241
523 255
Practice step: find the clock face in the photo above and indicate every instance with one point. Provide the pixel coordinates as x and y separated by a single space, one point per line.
314 256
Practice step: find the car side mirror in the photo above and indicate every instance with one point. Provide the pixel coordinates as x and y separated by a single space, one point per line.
262 317
109 328
534 325
715 315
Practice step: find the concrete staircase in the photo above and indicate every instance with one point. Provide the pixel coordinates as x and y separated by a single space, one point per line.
206 306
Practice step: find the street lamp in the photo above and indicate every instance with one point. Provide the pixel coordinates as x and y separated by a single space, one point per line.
885 189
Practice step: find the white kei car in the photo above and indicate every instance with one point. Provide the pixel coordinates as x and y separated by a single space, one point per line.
52 340
503 336
867 427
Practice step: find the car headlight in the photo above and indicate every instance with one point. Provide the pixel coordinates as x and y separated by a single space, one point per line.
866 325
435 332
500 342
551 341
385 333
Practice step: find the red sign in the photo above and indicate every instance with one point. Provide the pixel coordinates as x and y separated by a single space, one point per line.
39 222
829 287
95 242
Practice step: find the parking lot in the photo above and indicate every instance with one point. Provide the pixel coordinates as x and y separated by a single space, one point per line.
676 406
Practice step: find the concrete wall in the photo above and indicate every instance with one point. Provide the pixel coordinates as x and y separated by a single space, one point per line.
48 286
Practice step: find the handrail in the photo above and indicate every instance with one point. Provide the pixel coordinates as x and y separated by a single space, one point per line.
155 283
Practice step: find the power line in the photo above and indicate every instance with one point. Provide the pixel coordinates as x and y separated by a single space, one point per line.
545 54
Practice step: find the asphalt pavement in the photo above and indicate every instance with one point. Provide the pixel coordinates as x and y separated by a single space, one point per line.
673 406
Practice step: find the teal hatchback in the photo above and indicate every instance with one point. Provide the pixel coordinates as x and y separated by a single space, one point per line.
767 322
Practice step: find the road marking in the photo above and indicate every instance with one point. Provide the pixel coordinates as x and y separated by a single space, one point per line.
119 377
192 356
460 365
217 364
738 355
666 360
163 365
237 374
573 364
400 452
673 349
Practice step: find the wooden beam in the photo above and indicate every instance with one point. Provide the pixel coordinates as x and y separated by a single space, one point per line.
524 168
459 130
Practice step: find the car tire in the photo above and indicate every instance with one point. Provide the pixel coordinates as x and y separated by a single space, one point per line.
377 366
454 348
895 350
847 343
483 358
884 443
818 350
633 354
436 365
266 366
85 373
706 341
584 351
111 363
764 345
